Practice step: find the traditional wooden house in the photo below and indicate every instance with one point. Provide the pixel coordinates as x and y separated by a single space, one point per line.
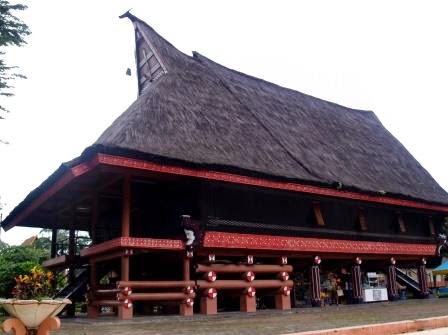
215 185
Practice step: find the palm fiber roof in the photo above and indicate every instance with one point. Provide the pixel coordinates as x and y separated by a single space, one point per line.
203 113
199 113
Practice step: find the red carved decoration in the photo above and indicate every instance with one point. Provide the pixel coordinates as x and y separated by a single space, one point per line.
238 179
133 243
293 244
131 163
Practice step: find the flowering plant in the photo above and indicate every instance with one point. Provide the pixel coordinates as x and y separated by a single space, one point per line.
37 285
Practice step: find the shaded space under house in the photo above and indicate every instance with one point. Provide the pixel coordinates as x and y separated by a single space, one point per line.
216 191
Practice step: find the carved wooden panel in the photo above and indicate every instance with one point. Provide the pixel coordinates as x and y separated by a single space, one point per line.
223 240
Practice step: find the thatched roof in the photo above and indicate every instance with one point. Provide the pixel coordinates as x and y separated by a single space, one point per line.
203 113
195 112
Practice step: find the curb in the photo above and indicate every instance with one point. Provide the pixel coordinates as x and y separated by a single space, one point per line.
389 328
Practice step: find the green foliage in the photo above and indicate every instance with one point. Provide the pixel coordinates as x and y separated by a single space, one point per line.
38 284
12 33
3 245
15 261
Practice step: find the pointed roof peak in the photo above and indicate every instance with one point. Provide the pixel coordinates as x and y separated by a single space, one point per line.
128 15
155 56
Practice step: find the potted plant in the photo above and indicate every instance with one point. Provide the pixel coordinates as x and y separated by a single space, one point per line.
32 307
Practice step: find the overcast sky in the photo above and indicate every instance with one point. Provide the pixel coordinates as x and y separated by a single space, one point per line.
387 56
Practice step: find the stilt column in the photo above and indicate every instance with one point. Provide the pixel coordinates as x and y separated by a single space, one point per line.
283 297
209 302
92 310
392 288
315 282
423 279
186 307
54 241
125 312
357 281
71 309
248 300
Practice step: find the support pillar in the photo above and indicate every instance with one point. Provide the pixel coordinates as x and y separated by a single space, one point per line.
283 301
126 312
209 306
423 279
92 311
186 268
126 207
54 242
357 281
71 309
209 302
283 297
186 307
392 288
315 282
248 301
94 218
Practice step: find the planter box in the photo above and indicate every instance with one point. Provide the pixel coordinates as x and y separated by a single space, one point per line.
33 312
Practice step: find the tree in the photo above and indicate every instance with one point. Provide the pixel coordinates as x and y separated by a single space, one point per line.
18 260
12 33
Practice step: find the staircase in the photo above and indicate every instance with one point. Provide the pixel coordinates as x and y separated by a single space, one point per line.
409 281
74 291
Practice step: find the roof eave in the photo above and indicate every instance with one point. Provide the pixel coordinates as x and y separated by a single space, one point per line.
76 171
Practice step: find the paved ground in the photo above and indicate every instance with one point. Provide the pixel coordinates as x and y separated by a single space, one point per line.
263 322
439 331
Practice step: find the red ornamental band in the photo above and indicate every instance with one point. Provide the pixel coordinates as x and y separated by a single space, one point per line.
225 240
119 161
238 179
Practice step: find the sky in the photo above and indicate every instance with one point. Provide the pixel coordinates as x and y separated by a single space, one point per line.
387 56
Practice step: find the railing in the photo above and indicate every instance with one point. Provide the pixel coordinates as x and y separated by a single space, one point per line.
63 246
414 275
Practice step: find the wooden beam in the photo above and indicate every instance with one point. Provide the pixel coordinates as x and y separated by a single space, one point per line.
401 224
318 217
432 228
160 296
240 268
107 256
133 243
362 221
55 262
229 284
156 284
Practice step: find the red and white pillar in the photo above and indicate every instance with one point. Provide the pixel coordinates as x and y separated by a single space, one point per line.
248 300
283 297
209 302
